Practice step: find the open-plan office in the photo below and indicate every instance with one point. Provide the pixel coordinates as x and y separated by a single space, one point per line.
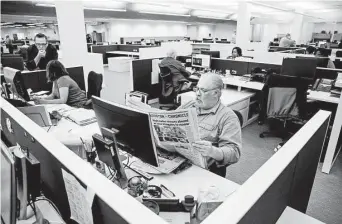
171 112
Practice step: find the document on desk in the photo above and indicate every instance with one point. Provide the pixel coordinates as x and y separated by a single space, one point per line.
176 131
79 200
176 217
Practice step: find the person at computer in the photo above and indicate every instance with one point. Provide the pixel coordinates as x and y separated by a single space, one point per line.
310 50
219 127
40 53
236 52
179 75
321 52
287 41
143 42
64 89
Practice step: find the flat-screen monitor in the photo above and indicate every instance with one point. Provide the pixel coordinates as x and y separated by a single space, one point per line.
201 60
135 132
8 187
320 61
15 79
299 67
13 62
213 54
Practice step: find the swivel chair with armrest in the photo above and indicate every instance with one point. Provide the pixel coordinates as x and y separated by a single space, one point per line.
168 101
94 87
286 106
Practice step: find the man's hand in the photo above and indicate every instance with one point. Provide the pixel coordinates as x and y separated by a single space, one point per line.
206 149
42 54
39 56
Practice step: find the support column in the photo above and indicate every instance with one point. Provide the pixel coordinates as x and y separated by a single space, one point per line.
70 18
243 25
296 28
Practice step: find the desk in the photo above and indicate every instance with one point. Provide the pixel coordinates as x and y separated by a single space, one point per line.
129 53
322 96
188 182
235 81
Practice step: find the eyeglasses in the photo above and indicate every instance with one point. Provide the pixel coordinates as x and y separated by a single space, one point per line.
201 90
41 45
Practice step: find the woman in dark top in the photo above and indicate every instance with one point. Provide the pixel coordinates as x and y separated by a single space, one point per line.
64 89
236 52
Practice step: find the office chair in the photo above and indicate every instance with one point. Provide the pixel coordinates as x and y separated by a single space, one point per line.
339 54
94 86
239 115
167 100
286 106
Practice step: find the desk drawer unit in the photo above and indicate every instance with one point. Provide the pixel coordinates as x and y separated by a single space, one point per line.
240 105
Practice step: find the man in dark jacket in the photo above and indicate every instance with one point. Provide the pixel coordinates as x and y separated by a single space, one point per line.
179 75
40 53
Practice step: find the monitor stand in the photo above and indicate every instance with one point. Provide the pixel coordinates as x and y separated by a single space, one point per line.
121 175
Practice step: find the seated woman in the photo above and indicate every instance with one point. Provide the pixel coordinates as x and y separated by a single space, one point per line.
64 89
322 52
236 52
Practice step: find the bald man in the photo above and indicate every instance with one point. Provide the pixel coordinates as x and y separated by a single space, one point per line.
178 80
287 42
219 127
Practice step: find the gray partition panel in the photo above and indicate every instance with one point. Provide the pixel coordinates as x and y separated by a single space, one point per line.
241 67
292 187
252 65
51 174
142 78
131 48
306 167
327 73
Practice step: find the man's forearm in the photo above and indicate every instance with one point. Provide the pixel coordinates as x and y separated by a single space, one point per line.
37 59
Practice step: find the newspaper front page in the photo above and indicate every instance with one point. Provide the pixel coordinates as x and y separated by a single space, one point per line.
176 131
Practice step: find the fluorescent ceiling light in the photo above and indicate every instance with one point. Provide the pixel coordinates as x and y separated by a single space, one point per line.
212 14
160 9
105 9
30 24
167 14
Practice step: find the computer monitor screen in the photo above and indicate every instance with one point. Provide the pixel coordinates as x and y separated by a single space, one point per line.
213 54
320 61
13 62
15 79
135 133
299 67
201 60
8 187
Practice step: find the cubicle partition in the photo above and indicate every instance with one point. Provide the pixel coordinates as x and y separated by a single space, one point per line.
110 205
241 67
37 81
286 179
142 78
102 49
253 65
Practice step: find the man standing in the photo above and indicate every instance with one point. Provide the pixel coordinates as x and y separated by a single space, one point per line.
286 41
40 53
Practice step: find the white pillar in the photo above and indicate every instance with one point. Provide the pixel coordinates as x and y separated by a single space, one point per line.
70 18
296 28
243 25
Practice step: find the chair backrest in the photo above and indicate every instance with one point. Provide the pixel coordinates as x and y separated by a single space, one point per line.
339 54
239 115
94 84
164 71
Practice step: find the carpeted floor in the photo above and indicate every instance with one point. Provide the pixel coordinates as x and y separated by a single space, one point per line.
326 197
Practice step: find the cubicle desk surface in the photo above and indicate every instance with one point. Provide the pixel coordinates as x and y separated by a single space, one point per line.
322 96
235 81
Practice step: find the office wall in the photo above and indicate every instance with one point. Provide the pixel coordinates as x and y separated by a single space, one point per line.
192 31
204 30
224 30
51 33
141 28
101 28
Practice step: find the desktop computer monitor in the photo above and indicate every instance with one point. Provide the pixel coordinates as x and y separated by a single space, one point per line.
15 79
135 132
213 54
304 68
320 61
201 60
15 62
8 187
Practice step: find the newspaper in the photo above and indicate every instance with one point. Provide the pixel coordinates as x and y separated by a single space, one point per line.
176 131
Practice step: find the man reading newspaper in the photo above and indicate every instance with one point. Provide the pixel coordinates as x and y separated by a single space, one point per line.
218 126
